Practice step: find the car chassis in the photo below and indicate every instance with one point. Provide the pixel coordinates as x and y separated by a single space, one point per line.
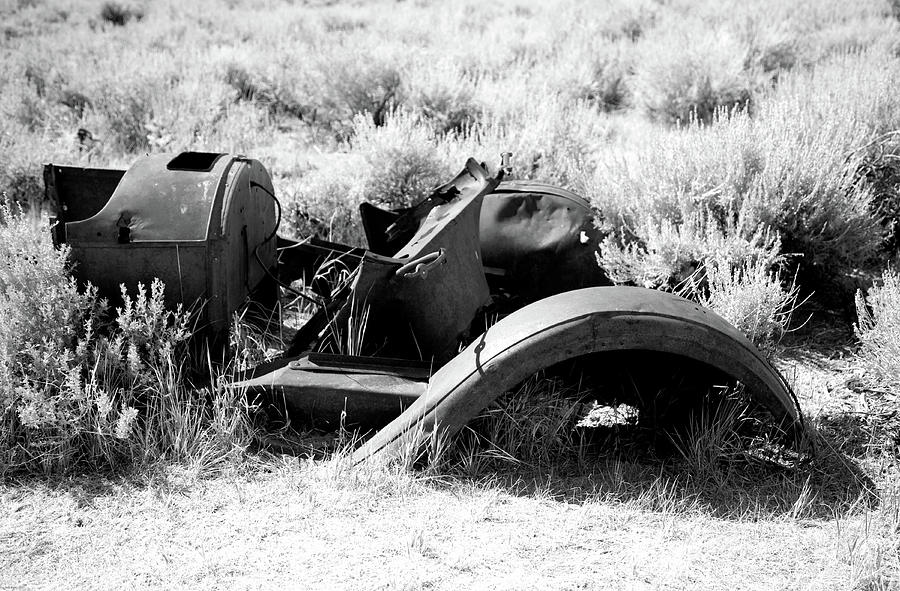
456 301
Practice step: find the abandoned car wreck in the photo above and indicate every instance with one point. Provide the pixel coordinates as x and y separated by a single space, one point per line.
463 296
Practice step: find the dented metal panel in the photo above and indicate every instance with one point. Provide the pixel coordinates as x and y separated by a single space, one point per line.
570 325
542 239
536 239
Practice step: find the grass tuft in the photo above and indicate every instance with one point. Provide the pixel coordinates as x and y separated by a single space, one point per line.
531 426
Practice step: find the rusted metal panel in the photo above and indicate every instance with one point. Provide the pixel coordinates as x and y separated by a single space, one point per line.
154 203
203 223
434 296
422 299
536 239
570 325
78 193
352 364
543 239
328 389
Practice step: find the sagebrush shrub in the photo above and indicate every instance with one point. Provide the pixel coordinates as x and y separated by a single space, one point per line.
797 166
878 331
255 88
346 82
401 157
810 134
120 14
551 138
324 203
126 112
44 315
666 254
22 186
689 74
77 390
394 165
606 85
593 65
879 168
669 203
441 93
193 114
748 294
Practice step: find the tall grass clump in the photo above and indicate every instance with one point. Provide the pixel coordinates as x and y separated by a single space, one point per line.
710 441
146 359
878 331
535 425
78 390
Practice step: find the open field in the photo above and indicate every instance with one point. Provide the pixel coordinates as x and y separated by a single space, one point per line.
744 154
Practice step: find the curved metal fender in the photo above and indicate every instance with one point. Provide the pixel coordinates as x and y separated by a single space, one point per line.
569 325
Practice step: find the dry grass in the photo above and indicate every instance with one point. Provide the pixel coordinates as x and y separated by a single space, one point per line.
321 525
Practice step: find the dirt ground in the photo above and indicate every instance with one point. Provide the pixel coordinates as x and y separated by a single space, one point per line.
307 526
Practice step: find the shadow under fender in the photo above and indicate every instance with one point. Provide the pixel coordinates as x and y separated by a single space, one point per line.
570 325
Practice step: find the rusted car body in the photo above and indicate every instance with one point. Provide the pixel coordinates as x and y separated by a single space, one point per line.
457 300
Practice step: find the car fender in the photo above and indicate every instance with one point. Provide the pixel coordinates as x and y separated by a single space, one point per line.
569 325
